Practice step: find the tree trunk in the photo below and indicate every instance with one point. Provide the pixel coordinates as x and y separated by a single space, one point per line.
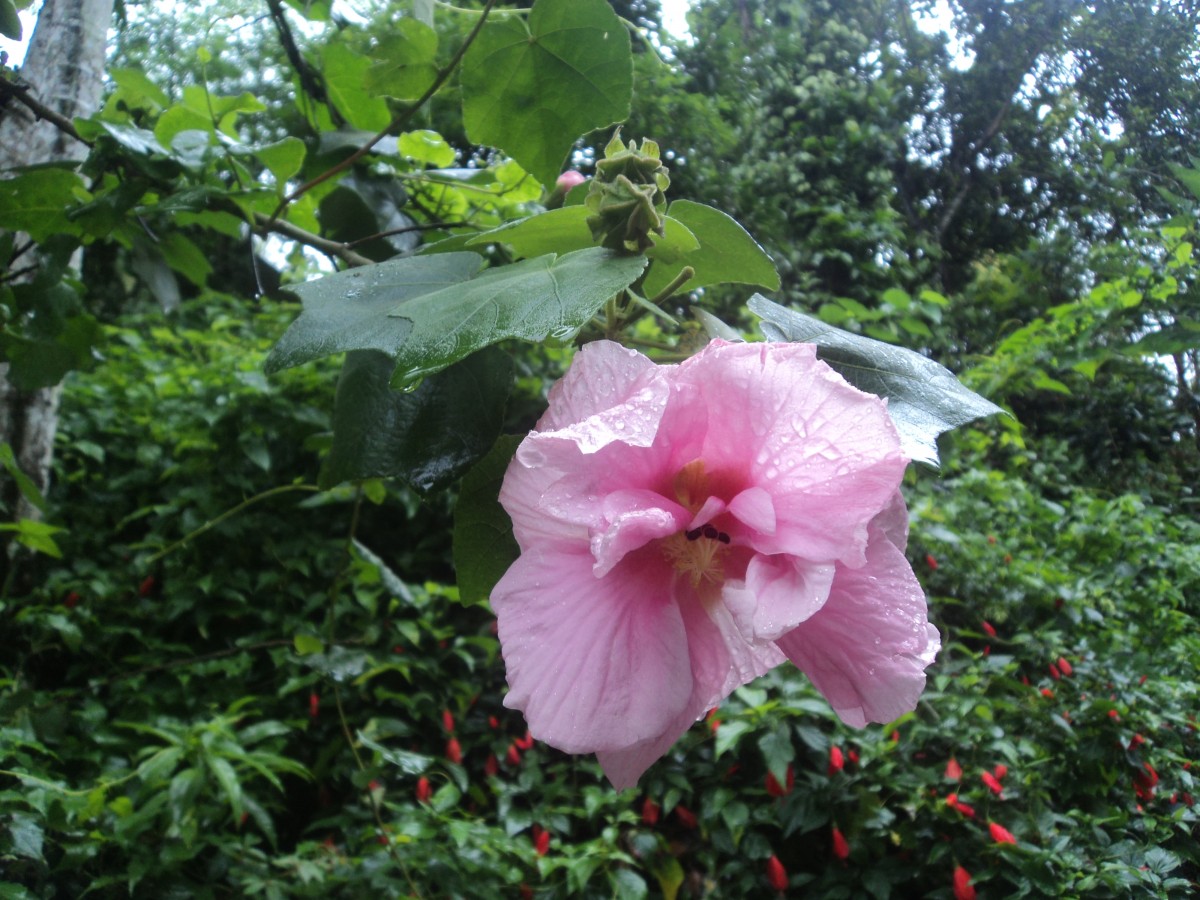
64 68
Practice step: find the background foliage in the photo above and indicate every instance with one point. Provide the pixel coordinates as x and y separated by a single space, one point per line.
231 670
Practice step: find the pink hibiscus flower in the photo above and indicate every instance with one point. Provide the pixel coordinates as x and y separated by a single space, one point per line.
683 529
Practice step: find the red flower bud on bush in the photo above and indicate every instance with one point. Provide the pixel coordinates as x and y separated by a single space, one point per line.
837 762
491 765
650 811
448 720
526 742
841 849
776 874
541 840
513 757
1000 771
314 704
1054 673
424 790
1144 782
1000 834
1047 693
146 586
454 751
72 600
569 179
963 889
686 817
954 803
993 785
931 561
988 628
953 770
1065 667
775 789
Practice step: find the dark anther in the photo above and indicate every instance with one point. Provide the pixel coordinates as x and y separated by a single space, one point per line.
710 532
693 535
723 538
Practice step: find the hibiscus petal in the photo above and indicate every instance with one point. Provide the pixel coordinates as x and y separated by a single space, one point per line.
826 453
779 593
634 518
721 660
754 509
594 663
601 376
867 648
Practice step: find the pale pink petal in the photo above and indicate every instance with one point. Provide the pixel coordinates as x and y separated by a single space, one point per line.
633 519
594 663
712 508
601 376
893 521
754 509
779 592
827 453
867 648
720 662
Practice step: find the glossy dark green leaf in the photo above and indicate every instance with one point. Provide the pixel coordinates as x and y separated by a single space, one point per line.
428 436
42 361
726 253
350 310
924 398
484 546
533 299
567 69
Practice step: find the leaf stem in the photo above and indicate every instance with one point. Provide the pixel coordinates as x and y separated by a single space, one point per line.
228 514
685 274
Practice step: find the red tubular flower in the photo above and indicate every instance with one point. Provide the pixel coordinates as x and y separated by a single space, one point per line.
454 751
146 587
931 561
1000 771
1065 667
953 770
493 723
686 817
1114 715
993 785
1054 673
837 761
491 766
424 790
541 840
1144 782
72 600
448 720
1000 834
314 704
775 789
524 743
1136 741
1047 693
989 629
963 889
650 811
776 874
513 757
841 849
954 803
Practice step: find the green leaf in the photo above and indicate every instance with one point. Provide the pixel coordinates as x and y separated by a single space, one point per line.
25 833
428 436
349 310
134 83
408 762
726 253
406 64
37 201
345 72
484 546
533 299
283 158
306 644
924 398
44 361
555 231
24 483
10 22
228 780
426 147
670 876
566 70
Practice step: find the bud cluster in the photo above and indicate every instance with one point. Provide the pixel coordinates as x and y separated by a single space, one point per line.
627 198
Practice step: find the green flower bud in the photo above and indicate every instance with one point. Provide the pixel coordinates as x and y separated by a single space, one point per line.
628 196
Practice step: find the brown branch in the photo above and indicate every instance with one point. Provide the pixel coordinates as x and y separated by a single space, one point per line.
282 227
20 93
398 121
311 80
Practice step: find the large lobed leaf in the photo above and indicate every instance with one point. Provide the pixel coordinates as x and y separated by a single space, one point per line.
484 546
532 87
924 398
549 296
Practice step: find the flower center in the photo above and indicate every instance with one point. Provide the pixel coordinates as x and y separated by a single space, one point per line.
699 557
